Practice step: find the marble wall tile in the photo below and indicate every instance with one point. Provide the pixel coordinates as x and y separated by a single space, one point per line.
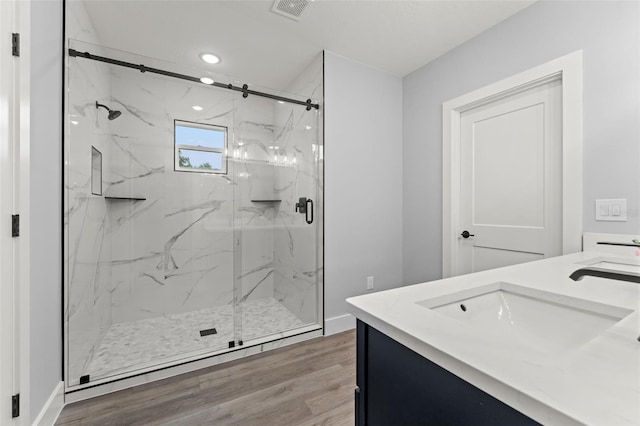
185 232
87 277
298 245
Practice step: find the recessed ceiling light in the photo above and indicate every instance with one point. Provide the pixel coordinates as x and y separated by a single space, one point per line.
209 58
197 107
206 80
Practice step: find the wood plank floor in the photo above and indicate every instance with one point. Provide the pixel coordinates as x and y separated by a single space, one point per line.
309 383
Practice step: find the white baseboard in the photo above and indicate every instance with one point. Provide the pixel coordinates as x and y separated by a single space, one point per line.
52 408
339 324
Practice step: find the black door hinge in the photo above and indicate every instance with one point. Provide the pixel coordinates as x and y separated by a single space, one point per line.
15 225
15 44
15 405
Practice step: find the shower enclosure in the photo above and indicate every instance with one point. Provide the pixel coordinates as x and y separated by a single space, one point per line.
193 219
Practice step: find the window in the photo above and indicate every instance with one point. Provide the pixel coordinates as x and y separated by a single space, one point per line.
200 147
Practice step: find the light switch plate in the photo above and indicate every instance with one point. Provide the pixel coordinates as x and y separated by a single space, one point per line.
603 209
612 210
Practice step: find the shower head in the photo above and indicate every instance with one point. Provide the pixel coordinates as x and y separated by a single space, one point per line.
113 114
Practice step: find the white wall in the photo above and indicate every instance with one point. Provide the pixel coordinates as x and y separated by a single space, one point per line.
46 181
363 180
608 33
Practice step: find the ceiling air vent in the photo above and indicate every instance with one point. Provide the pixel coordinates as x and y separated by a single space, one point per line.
291 9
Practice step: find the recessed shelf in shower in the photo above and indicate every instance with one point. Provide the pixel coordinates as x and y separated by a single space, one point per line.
125 198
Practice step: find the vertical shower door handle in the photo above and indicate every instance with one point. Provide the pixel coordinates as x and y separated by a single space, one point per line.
309 210
302 206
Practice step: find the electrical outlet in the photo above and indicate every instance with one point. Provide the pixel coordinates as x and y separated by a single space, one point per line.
369 283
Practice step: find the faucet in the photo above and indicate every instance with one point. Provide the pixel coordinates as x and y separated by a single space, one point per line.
605 273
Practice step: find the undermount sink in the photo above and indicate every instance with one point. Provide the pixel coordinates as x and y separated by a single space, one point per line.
545 321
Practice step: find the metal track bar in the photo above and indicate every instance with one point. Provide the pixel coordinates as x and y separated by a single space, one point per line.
143 68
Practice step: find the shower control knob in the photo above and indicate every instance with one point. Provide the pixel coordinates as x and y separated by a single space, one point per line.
466 234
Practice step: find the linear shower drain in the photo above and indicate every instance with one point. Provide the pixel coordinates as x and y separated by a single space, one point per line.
208 332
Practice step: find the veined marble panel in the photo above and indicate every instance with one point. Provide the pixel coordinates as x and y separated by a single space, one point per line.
180 257
298 245
87 280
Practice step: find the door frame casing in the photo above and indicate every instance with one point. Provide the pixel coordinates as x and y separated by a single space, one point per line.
15 157
569 69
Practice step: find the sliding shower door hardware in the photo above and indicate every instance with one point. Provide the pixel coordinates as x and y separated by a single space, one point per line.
15 406
301 205
239 342
232 344
309 210
85 379
15 225
15 44
142 68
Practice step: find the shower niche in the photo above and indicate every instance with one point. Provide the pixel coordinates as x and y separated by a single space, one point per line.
195 248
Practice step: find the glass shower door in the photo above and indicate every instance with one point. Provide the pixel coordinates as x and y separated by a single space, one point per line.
193 217
279 205
149 251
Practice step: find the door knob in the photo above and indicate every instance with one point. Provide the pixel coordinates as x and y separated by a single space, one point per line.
466 234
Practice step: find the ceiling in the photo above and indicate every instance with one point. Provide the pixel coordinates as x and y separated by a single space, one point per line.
260 47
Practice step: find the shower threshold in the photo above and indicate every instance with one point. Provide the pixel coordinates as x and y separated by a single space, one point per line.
128 348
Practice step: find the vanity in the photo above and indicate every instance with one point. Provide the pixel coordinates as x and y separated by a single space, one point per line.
519 345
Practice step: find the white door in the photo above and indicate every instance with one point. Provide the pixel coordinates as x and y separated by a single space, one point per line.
511 180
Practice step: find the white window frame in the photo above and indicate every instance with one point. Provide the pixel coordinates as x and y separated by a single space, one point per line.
177 146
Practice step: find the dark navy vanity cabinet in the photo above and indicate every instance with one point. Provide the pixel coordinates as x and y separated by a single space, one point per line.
396 386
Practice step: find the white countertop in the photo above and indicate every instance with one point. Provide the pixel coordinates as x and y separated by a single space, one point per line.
596 383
